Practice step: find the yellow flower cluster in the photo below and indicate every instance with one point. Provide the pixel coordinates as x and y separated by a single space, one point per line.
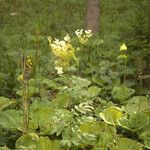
83 35
123 49
27 69
28 63
64 52
20 78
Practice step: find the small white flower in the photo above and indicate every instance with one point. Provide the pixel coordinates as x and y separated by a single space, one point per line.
88 31
79 32
62 43
54 46
56 41
59 70
13 14
67 38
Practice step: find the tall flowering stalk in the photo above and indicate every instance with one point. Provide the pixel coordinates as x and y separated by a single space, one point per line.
83 38
37 34
123 55
24 77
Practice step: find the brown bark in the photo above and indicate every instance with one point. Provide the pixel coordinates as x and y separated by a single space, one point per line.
93 15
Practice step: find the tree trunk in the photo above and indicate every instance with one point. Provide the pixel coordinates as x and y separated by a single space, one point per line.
93 15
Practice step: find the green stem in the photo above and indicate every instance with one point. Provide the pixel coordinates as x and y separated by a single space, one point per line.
105 127
25 102
125 70
25 107
140 96
36 55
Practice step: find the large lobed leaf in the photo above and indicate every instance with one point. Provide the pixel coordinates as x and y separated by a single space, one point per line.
111 115
4 102
137 104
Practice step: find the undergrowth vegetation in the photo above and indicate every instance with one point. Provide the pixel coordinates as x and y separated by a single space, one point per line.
73 91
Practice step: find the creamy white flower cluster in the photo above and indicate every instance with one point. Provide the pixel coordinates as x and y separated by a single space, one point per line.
83 35
64 52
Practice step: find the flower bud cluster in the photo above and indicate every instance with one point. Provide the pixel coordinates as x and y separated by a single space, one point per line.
64 52
28 63
26 69
123 49
83 35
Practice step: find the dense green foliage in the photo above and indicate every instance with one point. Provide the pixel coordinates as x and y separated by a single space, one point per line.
100 102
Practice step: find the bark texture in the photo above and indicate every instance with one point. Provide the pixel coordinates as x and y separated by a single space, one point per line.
93 15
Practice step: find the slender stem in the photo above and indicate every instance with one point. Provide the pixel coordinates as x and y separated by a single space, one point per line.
140 96
106 125
26 107
125 71
25 102
36 55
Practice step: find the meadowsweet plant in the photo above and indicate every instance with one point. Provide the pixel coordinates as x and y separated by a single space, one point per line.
83 35
123 55
63 51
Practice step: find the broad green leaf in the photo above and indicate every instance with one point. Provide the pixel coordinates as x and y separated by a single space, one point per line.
93 91
80 81
51 84
50 120
121 94
31 91
105 139
4 102
98 80
135 122
128 144
27 142
11 119
90 126
4 148
44 143
111 115
61 101
60 120
40 112
72 136
137 104
145 136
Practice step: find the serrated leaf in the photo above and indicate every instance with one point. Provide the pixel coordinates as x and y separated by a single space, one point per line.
121 94
4 102
61 101
80 81
44 143
111 115
11 119
137 104
27 141
128 144
90 127
105 139
93 91
135 122
145 136
31 91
